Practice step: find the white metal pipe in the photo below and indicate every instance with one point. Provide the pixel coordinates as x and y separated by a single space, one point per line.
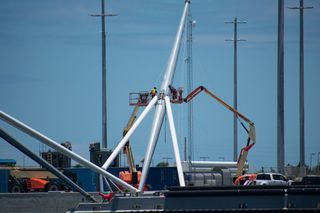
124 140
101 187
160 109
107 183
154 134
228 164
44 139
171 66
174 141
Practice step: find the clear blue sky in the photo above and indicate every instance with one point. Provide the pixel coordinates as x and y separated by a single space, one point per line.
50 72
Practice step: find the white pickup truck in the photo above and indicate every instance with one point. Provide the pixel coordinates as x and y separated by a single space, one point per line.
271 179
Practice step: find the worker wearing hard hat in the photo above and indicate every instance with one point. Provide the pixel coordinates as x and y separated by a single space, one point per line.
153 92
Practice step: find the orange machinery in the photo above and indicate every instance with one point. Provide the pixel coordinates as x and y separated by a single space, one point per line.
132 176
251 132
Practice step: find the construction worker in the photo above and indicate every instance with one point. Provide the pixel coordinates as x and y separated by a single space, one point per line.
173 92
153 92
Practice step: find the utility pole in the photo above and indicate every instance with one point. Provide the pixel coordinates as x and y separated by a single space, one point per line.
104 144
280 82
301 88
104 73
190 24
235 40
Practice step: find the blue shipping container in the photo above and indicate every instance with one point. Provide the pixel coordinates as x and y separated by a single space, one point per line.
4 176
85 178
158 177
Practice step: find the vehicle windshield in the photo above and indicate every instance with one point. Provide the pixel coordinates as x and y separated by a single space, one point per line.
263 177
278 177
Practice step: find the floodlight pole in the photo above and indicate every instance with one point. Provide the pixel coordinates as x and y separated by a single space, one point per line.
301 88
235 85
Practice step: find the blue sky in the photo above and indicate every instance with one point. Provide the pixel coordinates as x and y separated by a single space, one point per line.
50 72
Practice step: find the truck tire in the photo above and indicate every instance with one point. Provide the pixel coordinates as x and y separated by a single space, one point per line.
52 187
15 188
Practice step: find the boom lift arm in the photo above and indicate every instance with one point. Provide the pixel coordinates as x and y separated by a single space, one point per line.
127 148
251 132
133 176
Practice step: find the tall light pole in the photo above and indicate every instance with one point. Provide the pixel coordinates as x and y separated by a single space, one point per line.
301 87
280 88
235 40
